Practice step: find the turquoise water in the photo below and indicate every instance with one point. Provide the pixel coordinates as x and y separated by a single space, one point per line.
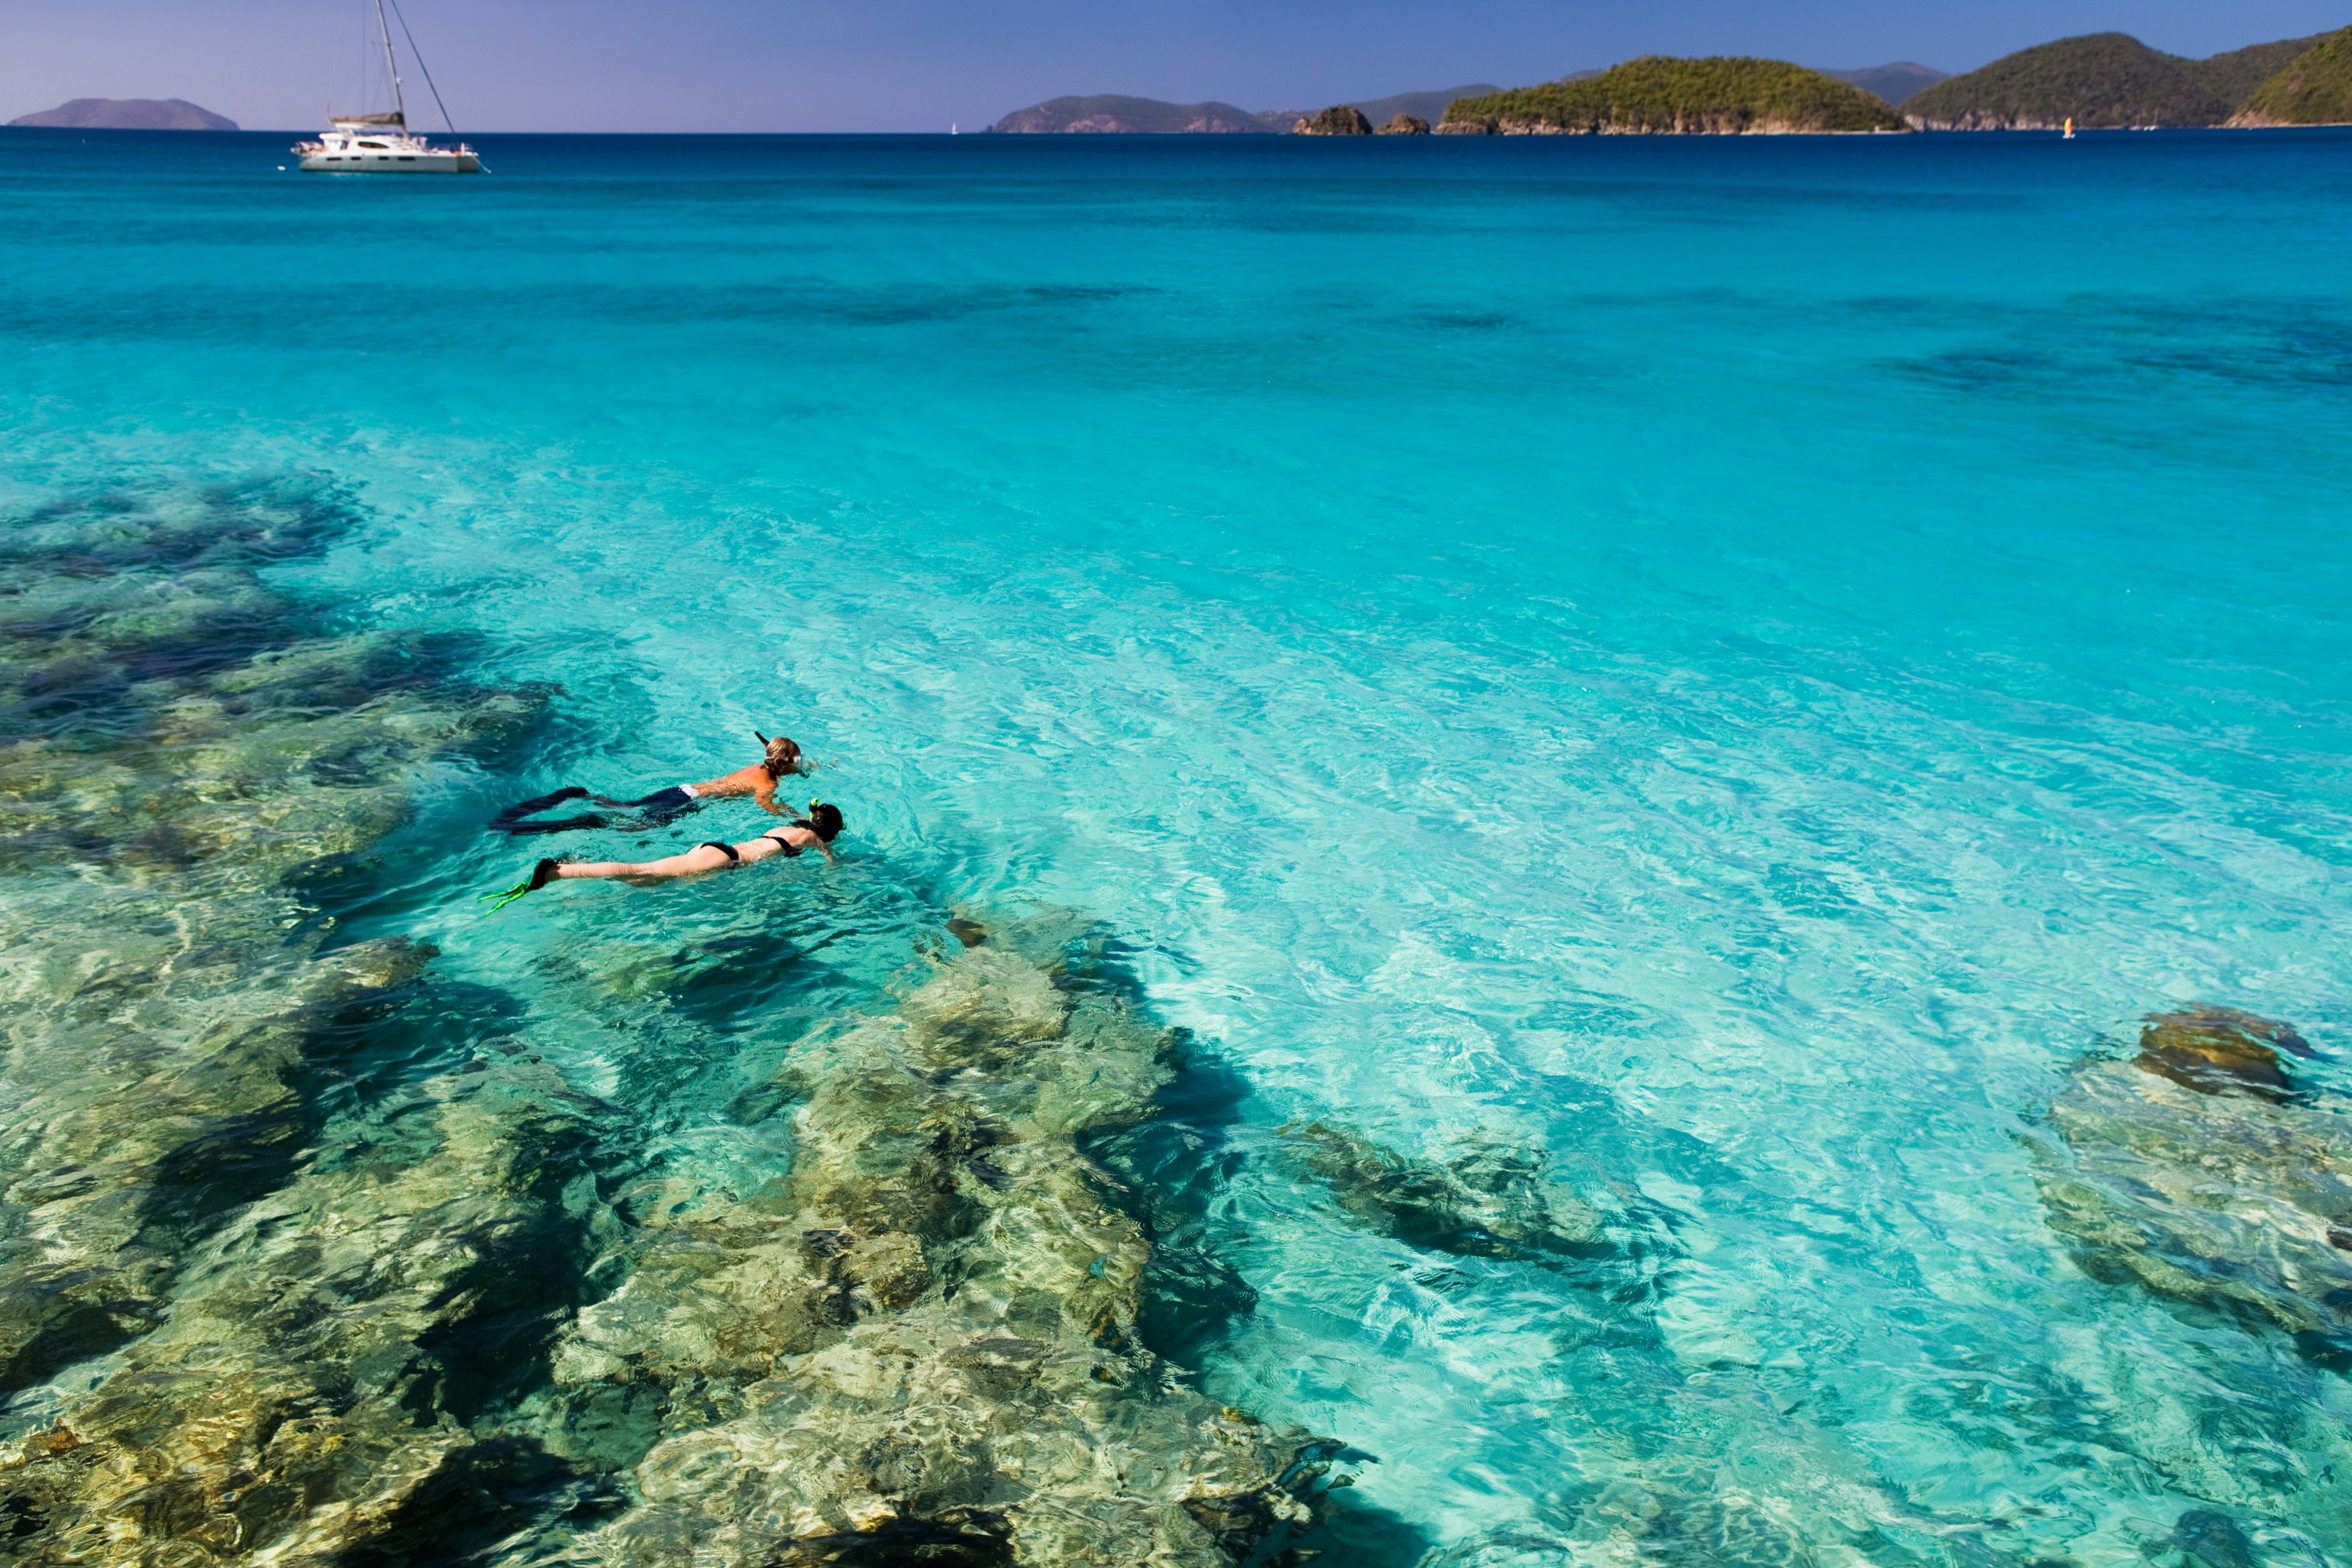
1729 666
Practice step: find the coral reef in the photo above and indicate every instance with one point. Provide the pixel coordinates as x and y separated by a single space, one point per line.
191 761
307 1259
2195 1171
921 1345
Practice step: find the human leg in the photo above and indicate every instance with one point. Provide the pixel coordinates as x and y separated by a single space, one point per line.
701 857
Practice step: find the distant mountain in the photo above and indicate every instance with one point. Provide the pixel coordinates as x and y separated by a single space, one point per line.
2100 78
2313 88
1893 83
1110 113
128 114
1430 106
1658 95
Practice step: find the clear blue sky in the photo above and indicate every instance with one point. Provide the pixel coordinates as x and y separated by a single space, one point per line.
915 65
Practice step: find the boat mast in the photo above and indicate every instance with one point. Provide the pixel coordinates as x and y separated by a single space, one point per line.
390 65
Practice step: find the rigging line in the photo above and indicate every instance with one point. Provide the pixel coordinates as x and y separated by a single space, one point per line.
418 57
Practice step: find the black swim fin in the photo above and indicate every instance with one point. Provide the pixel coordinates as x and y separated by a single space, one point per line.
510 820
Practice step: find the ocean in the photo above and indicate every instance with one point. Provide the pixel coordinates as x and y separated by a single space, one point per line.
1607 741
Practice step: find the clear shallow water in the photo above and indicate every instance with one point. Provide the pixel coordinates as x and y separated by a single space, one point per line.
1730 665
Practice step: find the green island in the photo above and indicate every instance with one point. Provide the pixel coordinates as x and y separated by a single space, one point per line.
1659 95
2313 88
2100 80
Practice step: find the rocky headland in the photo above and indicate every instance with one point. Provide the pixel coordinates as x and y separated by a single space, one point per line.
1656 95
2313 88
2100 80
127 114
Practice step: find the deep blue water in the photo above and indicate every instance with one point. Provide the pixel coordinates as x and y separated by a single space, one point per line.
1730 664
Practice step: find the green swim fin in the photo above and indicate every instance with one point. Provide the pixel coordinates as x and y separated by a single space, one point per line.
540 876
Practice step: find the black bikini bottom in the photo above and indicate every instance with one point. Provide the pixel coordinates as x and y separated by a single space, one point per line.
725 849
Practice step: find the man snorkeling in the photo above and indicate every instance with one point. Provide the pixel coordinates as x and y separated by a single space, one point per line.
817 830
665 805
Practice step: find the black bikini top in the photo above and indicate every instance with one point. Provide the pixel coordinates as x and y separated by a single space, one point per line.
789 849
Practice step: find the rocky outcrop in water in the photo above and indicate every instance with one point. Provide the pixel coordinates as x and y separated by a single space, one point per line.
1405 125
2195 1170
922 1346
1340 120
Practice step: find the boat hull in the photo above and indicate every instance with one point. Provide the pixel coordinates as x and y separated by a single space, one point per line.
392 163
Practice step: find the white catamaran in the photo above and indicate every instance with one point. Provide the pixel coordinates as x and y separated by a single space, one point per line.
381 143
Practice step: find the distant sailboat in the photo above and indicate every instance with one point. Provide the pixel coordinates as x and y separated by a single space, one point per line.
381 143
2070 130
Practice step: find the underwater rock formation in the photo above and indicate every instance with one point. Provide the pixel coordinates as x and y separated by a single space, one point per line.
299 1399
1489 1202
303 1261
2217 1050
189 761
921 1345
2194 1171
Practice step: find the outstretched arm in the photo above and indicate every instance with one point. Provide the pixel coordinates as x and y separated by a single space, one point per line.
764 791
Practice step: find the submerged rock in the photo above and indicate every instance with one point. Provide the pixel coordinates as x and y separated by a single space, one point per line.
2217 1050
299 1400
921 1346
1489 1202
2191 1171
190 762
278 1282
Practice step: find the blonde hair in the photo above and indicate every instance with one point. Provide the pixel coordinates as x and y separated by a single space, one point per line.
781 754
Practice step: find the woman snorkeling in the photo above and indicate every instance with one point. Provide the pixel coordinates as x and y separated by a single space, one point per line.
817 830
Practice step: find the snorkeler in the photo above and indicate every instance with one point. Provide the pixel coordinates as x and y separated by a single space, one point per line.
665 805
817 829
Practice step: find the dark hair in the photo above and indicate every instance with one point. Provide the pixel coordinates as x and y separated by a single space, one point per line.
824 821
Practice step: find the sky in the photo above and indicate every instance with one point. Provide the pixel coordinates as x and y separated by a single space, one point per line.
921 64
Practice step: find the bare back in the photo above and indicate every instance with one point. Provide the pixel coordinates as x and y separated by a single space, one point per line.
758 781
